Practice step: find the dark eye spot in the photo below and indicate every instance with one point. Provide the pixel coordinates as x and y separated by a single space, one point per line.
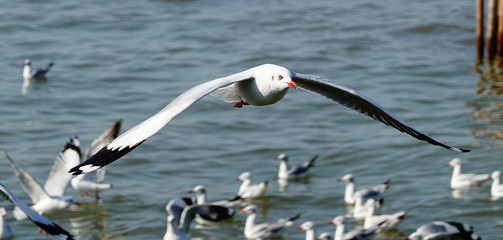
280 77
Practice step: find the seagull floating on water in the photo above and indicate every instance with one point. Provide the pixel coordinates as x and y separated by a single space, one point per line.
254 230
248 190
51 196
223 212
181 212
5 231
262 85
309 227
385 221
350 192
36 73
496 186
93 181
464 180
289 172
445 231
43 223
361 209
359 233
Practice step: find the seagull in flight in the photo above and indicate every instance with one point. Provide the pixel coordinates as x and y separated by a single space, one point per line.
262 85
93 181
43 223
50 197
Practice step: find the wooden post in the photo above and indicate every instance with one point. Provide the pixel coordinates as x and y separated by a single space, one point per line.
492 26
479 29
499 53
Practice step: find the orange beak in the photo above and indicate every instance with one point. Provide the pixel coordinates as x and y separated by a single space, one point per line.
292 84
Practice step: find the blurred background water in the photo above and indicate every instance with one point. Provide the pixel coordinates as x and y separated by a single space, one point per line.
128 59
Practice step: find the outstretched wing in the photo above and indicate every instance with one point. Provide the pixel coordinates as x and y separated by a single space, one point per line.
139 133
44 223
358 102
59 177
30 185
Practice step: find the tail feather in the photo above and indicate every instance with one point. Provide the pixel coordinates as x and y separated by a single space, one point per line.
294 218
311 162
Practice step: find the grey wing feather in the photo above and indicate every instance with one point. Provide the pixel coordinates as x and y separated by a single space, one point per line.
139 133
30 185
358 102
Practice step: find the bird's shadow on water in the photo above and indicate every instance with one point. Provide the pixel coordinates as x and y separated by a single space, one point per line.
477 194
283 183
89 221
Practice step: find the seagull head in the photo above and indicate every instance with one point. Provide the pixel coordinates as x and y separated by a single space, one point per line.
248 210
27 62
277 76
495 175
306 226
198 189
346 178
339 220
68 199
282 157
454 162
244 176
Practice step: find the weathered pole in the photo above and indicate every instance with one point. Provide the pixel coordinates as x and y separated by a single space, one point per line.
492 27
499 53
479 29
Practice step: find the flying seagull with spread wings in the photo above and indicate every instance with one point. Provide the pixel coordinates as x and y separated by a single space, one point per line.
262 85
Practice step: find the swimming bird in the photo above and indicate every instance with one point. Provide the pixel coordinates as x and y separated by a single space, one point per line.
262 85
496 186
43 223
224 212
309 227
361 208
324 236
37 73
93 181
464 180
51 197
254 230
444 230
374 192
181 212
248 190
385 221
289 172
5 231
359 233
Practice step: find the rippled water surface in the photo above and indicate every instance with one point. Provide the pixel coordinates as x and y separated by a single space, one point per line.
128 59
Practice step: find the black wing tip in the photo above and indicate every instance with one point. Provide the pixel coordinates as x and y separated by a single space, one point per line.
461 150
102 158
54 229
73 144
75 171
116 127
